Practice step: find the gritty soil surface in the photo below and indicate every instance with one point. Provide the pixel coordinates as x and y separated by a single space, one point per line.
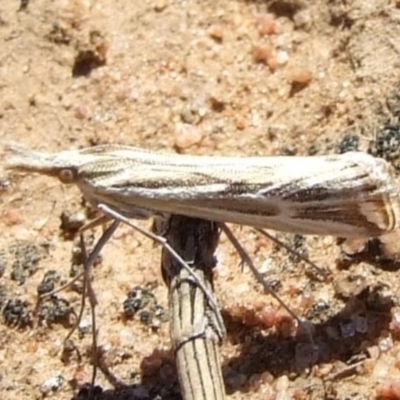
228 77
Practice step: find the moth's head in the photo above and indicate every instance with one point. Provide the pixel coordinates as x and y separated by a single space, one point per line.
73 166
63 165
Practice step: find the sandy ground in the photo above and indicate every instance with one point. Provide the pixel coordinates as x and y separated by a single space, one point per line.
202 77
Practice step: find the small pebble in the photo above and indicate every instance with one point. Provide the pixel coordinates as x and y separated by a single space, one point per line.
387 144
349 286
373 352
394 326
216 32
388 390
268 317
282 57
348 143
300 76
4 184
52 384
385 344
81 112
262 53
187 135
303 20
353 246
240 122
266 24
12 217
72 221
282 386
160 5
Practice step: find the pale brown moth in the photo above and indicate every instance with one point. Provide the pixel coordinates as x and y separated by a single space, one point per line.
347 195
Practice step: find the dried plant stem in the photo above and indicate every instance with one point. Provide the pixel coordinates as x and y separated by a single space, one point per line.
195 332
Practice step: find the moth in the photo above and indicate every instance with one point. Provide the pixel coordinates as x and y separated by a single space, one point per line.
347 195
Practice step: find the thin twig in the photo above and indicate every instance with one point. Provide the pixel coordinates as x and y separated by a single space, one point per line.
195 330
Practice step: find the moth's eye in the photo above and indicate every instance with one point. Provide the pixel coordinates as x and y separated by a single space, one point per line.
66 175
